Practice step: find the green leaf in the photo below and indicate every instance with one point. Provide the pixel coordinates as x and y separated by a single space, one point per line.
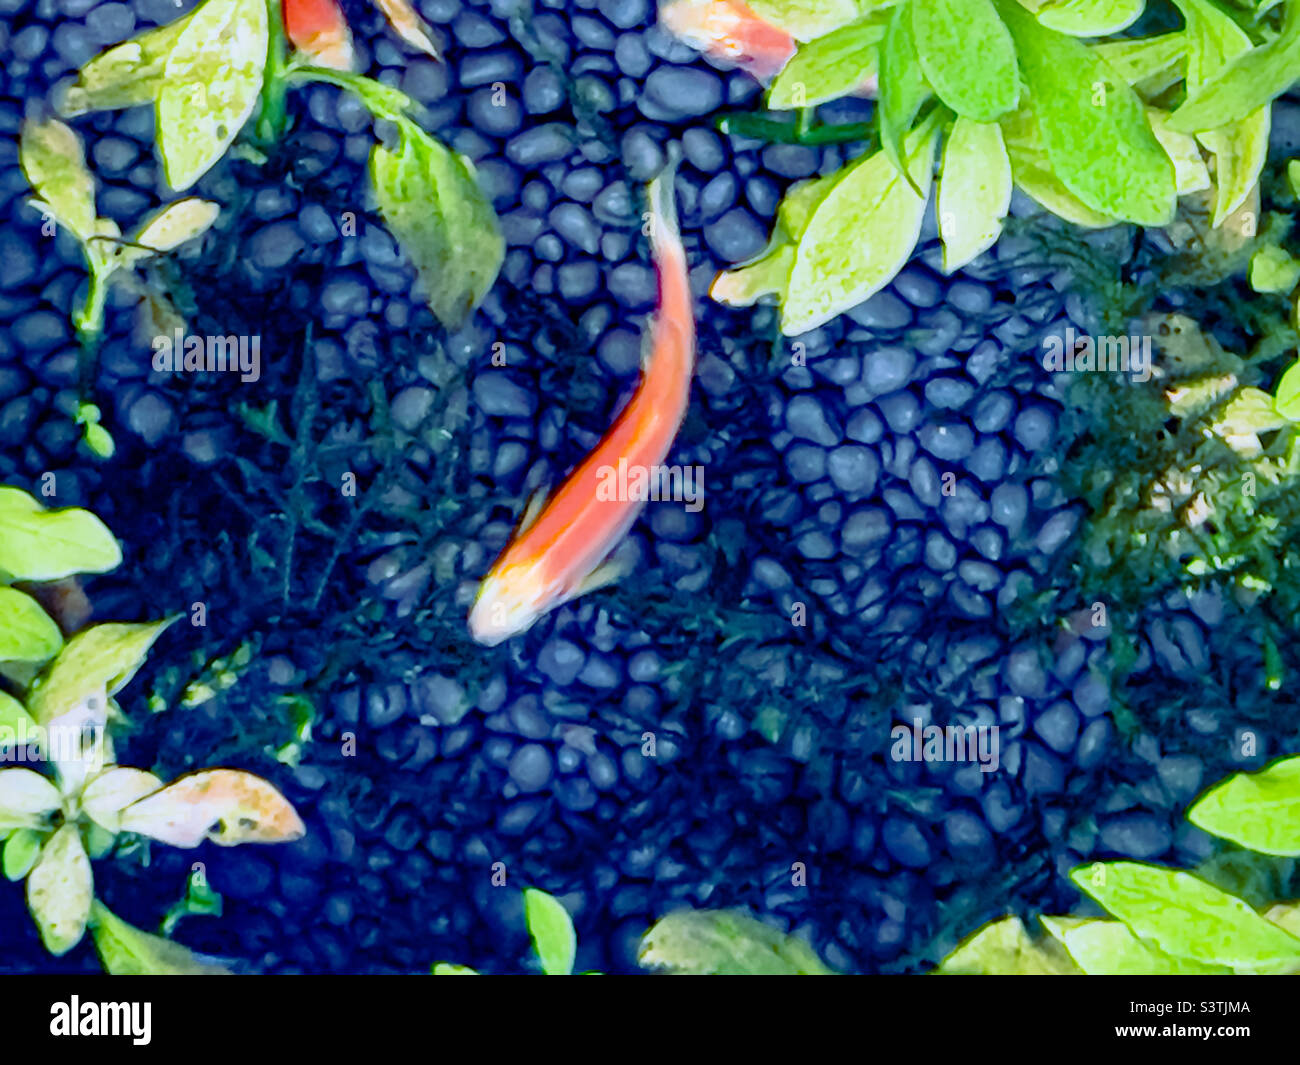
1093 126
1293 177
14 719
1149 64
1286 401
27 633
52 158
551 929
101 658
60 890
1231 82
1090 18
431 201
21 850
974 191
1272 270
47 545
1004 948
967 55
902 85
829 67
860 235
726 942
171 226
212 82
1190 172
124 76
444 968
125 950
770 272
809 19
1261 810
1034 176
1240 148
1186 917
1108 948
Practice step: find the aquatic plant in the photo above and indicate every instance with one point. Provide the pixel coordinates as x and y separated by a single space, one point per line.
205 74
53 825
726 943
55 164
551 930
1167 921
1096 133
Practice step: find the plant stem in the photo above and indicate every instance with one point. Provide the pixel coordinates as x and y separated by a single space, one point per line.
275 84
89 323
778 131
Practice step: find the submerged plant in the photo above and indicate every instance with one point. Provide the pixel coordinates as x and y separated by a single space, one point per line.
551 930
1096 133
205 74
1167 921
726 943
54 824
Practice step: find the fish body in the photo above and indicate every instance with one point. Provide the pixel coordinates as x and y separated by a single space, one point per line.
730 30
560 549
318 29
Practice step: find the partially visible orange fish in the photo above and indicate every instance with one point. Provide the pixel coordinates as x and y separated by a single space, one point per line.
561 548
730 30
319 31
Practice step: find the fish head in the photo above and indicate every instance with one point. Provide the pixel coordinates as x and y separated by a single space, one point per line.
510 599
729 30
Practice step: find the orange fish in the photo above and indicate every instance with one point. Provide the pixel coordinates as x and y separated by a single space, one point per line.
318 29
730 30
561 548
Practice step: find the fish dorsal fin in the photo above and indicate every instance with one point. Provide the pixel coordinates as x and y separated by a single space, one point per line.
608 572
536 504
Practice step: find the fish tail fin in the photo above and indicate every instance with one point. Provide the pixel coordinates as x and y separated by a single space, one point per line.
663 203
674 318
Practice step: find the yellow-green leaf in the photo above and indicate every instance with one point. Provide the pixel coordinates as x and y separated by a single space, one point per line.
1004 948
1108 948
552 933
967 56
433 205
1033 173
1090 18
1186 917
211 86
60 890
1190 172
860 235
1260 811
21 850
807 19
27 633
125 950
226 806
127 75
1271 270
444 968
14 720
828 67
1286 401
102 658
1093 126
54 162
171 226
46 545
1149 64
726 942
974 191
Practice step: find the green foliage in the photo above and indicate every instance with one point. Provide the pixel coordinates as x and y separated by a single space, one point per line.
1167 921
726 942
1085 127
551 930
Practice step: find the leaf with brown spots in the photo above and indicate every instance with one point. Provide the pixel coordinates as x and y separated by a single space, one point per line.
227 806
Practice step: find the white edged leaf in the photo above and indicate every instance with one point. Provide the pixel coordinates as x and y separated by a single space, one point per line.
227 806
1190 172
212 83
104 797
53 160
1108 948
46 545
27 799
126 75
